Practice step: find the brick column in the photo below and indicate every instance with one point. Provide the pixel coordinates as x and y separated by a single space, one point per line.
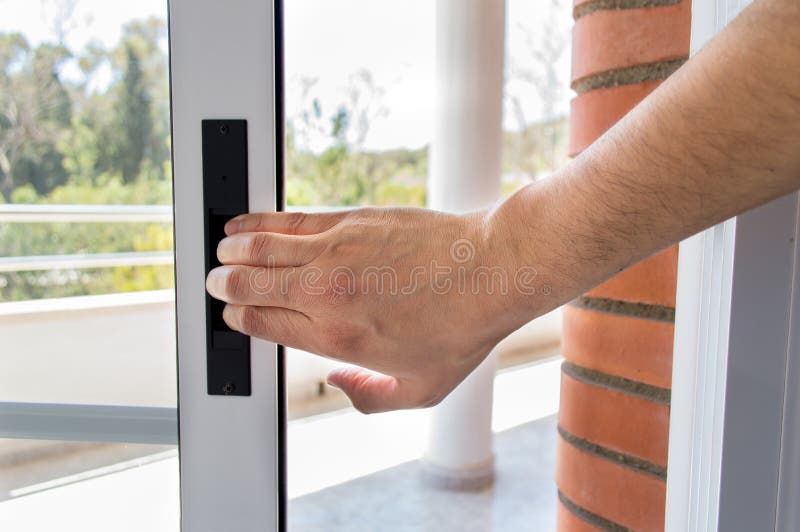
615 382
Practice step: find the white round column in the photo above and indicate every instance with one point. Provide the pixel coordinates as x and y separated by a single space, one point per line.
465 172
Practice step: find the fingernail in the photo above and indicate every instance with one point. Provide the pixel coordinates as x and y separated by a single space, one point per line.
332 384
233 226
228 317
215 282
224 249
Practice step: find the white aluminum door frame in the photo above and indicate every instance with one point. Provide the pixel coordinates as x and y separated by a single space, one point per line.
225 64
734 451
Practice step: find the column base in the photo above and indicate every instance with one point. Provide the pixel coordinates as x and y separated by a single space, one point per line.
474 478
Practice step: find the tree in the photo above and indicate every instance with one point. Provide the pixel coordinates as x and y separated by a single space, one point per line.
148 38
62 21
342 173
103 140
35 110
537 70
133 120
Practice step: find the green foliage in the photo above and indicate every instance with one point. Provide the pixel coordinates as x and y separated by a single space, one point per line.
72 238
390 193
536 149
35 111
133 125
133 278
52 132
24 194
85 143
340 176
110 190
77 238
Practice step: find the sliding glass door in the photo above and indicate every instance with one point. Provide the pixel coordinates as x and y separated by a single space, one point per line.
225 116
88 387
96 387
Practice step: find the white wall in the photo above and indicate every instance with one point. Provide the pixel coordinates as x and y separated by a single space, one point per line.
113 349
120 349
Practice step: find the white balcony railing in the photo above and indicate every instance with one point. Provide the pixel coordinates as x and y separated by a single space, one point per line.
31 214
82 261
34 213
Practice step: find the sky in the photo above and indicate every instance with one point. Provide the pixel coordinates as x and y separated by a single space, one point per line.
329 40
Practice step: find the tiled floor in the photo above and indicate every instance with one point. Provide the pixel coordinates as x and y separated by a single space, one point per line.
398 500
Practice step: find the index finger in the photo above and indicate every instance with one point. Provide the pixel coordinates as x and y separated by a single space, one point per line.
289 223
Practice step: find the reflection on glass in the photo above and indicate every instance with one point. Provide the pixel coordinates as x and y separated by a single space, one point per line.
92 487
32 466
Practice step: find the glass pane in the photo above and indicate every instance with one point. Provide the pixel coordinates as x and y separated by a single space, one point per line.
360 117
86 278
92 487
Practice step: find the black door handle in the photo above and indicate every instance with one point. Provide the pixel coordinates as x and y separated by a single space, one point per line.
224 196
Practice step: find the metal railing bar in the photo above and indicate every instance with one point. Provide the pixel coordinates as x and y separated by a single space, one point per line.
85 261
38 213
30 213
95 423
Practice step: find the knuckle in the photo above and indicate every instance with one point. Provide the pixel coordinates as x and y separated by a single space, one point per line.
295 221
337 297
317 244
260 219
361 215
293 292
256 247
235 284
250 319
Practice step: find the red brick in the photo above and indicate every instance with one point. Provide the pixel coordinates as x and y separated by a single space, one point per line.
594 112
612 491
613 39
633 348
652 281
618 421
568 522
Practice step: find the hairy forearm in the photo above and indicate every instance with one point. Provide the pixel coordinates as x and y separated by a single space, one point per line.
721 136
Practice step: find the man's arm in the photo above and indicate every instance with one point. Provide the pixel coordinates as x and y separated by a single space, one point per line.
722 135
404 293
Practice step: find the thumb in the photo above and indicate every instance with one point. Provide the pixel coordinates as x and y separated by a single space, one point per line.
368 391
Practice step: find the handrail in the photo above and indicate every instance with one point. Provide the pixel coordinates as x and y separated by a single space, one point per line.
85 261
35 213
76 422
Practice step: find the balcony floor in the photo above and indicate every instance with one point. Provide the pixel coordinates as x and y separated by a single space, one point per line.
397 499
364 477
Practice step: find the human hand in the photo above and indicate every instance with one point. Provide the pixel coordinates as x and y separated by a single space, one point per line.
413 299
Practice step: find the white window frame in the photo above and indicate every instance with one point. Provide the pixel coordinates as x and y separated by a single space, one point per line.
223 66
734 451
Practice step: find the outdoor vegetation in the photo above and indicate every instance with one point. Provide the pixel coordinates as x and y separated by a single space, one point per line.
91 126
